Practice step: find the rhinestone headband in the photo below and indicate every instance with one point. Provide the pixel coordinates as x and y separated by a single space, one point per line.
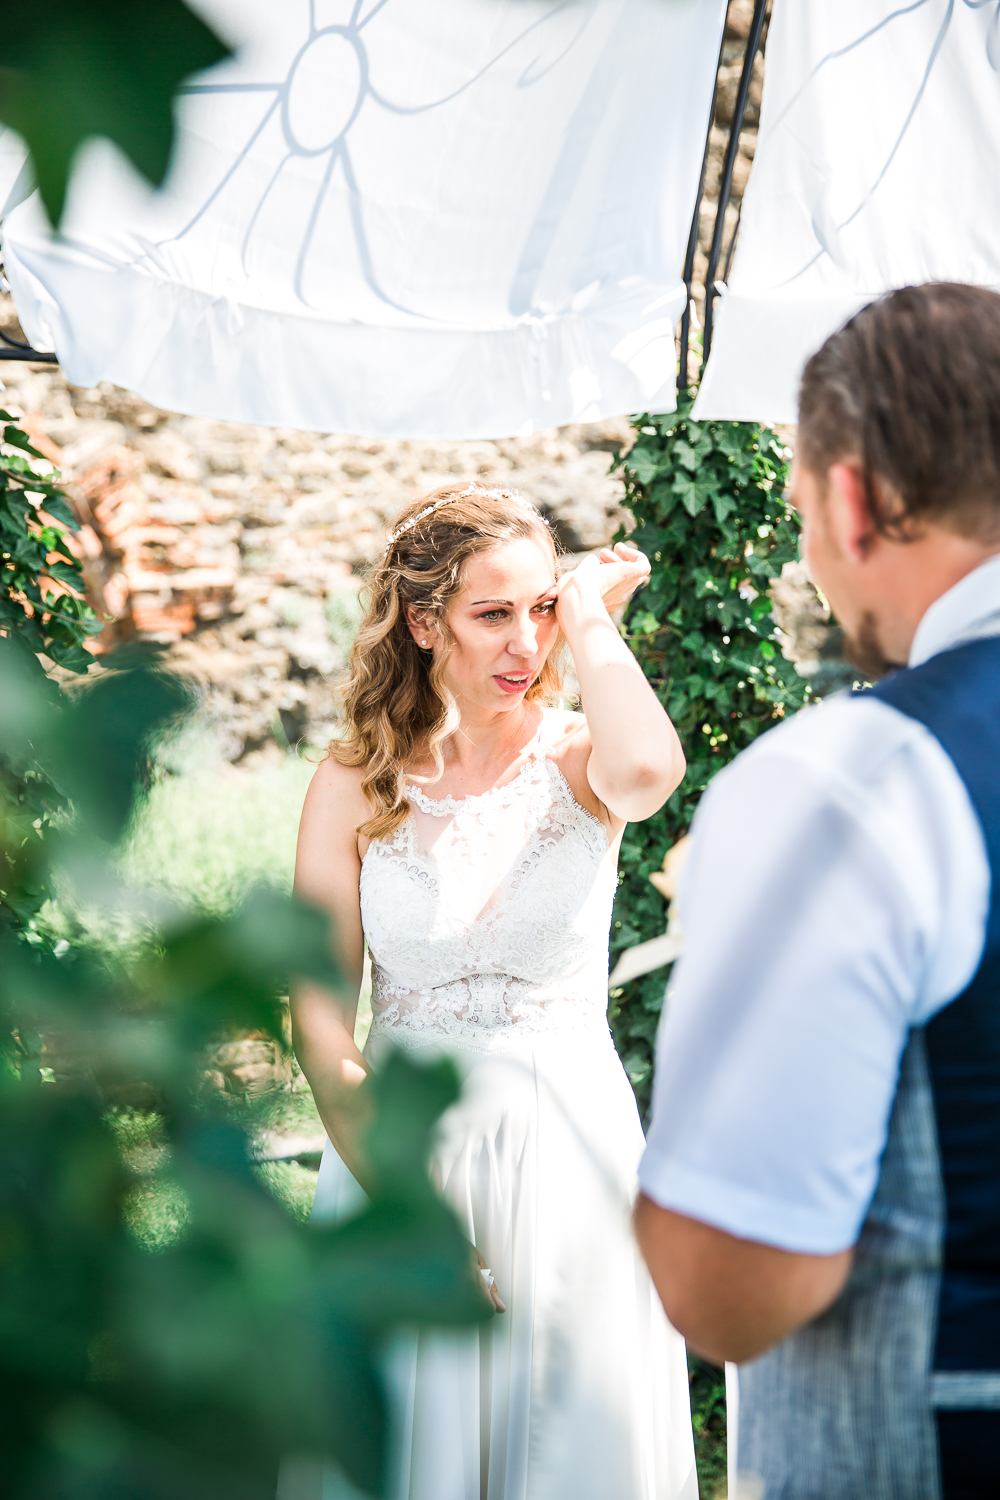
473 489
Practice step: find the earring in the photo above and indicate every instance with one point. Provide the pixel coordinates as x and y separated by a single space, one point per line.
424 644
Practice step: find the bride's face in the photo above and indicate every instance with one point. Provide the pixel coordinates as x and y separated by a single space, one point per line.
504 623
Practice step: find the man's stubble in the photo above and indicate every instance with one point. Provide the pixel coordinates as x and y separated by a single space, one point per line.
864 650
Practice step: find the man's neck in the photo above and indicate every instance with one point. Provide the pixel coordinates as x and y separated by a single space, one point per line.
921 572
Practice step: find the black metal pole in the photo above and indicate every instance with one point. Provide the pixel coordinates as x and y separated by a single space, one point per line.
729 162
732 245
692 244
13 349
39 356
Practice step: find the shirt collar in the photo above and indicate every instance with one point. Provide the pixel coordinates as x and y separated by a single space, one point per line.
970 609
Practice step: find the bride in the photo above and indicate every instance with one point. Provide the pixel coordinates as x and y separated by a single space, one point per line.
468 833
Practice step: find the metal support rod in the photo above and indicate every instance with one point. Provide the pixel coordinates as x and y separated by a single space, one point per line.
38 356
692 244
14 349
728 164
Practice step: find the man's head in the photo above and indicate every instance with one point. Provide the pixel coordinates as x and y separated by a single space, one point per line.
898 466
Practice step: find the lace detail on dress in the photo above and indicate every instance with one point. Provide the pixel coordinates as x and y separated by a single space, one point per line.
486 803
483 1013
487 917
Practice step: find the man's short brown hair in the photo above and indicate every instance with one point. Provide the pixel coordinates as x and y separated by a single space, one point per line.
910 387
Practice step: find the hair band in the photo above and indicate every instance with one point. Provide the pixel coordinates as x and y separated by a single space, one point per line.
473 489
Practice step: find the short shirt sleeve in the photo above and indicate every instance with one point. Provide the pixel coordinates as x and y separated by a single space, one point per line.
814 905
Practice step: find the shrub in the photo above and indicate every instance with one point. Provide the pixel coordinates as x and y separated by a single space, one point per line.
710 512
42 606
41 580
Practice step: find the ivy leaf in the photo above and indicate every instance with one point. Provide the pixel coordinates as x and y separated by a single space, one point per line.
12 525
724 505
64 573
13 463
643 464
56 507
644 623
15 438
705 583
687 455
730 441
26 550
73 69
694 493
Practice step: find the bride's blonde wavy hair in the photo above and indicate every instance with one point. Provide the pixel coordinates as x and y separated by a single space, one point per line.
395 702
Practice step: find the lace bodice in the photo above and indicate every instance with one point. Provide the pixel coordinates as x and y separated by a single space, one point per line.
487 917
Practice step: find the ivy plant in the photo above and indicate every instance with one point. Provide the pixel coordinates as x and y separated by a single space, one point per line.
43 608
709 507
41 581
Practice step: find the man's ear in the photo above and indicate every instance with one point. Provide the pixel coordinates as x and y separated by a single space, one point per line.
849 512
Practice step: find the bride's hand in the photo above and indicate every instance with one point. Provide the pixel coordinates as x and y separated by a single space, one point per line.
623 569
487 1282
615 572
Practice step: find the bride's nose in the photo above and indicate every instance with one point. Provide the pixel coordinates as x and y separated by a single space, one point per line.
523 638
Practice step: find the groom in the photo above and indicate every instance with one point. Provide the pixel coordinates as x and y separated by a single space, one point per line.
821 1185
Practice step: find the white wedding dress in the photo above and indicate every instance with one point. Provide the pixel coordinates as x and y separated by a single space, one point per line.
487 921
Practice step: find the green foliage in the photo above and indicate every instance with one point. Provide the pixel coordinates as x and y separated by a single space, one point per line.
89 751
36 570
186 1373
73 69
708 503
708 1419
207 832
36 563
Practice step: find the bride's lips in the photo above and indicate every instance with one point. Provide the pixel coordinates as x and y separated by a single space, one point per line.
513 682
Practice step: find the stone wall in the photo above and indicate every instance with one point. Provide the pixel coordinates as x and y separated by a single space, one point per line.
242 549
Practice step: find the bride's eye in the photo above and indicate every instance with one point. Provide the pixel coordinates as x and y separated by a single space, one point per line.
546 607
493 615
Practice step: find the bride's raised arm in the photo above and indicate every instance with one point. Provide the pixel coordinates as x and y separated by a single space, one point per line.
636 759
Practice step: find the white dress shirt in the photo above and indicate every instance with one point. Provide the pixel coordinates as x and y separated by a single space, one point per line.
836 895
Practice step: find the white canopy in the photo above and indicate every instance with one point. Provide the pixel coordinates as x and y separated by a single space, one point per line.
457 219
877 166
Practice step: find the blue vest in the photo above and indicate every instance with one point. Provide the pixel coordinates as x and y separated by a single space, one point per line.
894 1393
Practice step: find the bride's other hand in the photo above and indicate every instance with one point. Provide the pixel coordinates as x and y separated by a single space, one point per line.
615 574
485 1276
623 569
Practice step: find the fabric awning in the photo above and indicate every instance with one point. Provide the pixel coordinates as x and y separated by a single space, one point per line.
450 220
877 166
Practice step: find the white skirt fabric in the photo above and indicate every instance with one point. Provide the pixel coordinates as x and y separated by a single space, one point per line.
580 1390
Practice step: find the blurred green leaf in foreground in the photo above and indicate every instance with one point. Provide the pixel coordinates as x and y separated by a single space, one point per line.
73 69
187 1373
